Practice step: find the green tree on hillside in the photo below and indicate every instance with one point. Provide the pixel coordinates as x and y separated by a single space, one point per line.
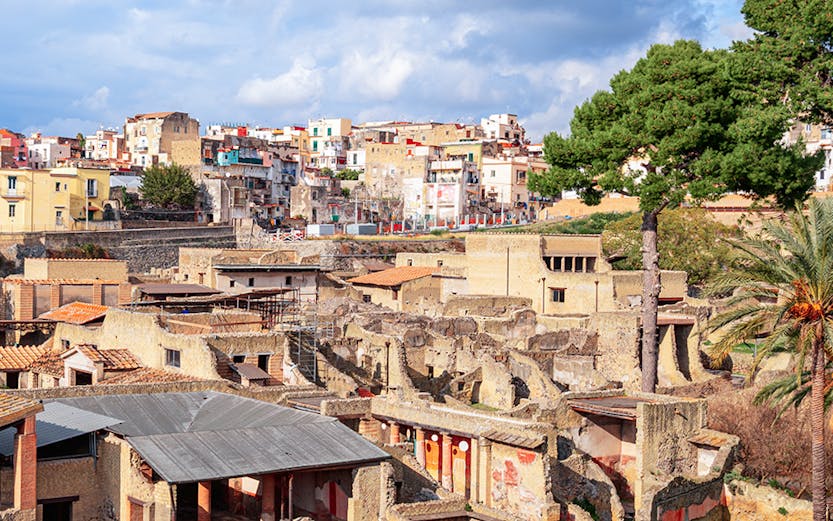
669 130
169 185
688 240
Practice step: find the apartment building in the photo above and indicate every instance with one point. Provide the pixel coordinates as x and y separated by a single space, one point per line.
151 138
64 198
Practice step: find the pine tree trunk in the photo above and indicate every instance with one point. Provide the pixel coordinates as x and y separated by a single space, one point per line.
650 300
817 426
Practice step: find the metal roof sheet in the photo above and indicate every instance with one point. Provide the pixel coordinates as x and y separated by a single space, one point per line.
250 371
187 437
58 422
206 455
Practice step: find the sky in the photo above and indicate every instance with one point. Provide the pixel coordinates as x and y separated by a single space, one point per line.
74 66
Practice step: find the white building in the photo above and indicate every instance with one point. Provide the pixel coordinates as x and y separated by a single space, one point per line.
503 127
104 145
46 155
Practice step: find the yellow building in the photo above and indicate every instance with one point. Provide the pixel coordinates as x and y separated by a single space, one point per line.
52 200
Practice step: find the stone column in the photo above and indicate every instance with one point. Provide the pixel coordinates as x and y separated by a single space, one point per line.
25 465
485 471
447 479
419 446
474 471
204 501
394 433
267 498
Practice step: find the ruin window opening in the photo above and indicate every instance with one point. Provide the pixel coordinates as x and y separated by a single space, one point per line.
82 378
251 282
579 263
430 371
238 359
366 298
568 264
289 280
172 358
263 362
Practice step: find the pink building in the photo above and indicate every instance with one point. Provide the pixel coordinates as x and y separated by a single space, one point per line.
13 150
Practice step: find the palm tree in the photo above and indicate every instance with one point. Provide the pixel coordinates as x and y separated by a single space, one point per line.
782 289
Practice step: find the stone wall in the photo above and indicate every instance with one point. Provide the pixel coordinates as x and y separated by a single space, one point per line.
143 249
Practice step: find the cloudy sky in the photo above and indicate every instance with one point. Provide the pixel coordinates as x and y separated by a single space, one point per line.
75 65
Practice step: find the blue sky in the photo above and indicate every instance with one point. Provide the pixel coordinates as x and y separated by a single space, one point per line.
75 65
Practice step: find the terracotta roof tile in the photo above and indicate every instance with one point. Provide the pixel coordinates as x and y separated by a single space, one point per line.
14 408
19 358
113 359
49 363
76 313
153 115
146 375
394 276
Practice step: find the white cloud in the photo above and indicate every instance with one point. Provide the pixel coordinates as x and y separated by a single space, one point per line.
96 101
737 31
300 84
376 76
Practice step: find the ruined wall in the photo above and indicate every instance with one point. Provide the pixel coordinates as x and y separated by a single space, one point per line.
147 340
619 348
484 305
104 269
430 260
750 502
519 482
422 296
662 432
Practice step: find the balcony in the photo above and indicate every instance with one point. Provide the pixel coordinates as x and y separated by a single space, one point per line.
15 194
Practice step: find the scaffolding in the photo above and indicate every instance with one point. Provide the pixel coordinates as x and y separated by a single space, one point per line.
287 310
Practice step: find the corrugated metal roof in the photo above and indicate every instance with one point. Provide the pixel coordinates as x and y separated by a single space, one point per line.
58 422
250 371
207 455
176 289
187 437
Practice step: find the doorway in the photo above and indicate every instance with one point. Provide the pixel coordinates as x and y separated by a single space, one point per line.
57 511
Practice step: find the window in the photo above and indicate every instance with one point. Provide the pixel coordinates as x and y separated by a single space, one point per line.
263 362
12 184
238 359
251 282
57 187
329 131
314 132
11 210
366 298
92 188
172 357
558 294
492 173
59 217
410 262
471 156
396 294
231 283
315 146
288 281
440 263
65 343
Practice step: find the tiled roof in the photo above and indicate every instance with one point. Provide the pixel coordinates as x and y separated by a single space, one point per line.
76 313
113 359
48 363
153 115
14 408
394 276
146 375
19 358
